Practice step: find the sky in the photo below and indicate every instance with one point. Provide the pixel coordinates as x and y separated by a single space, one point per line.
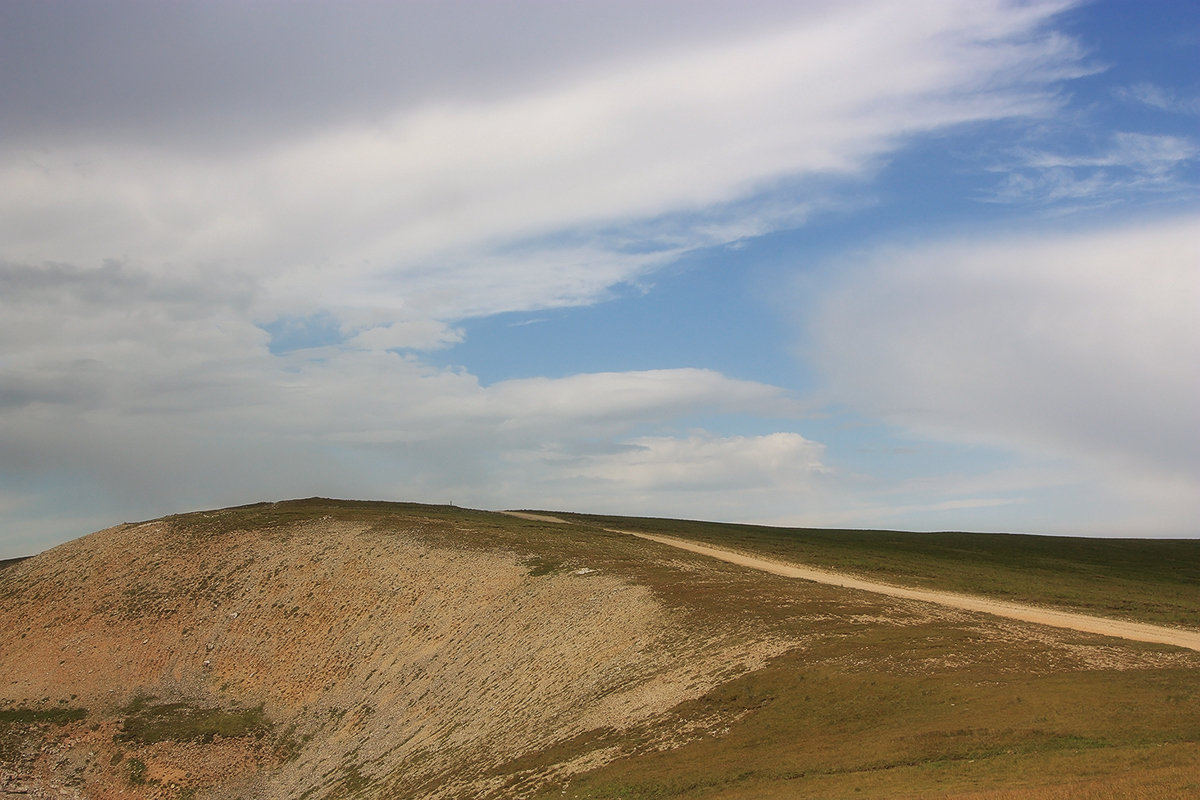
926 265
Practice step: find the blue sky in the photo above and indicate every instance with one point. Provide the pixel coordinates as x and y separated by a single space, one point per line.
926 265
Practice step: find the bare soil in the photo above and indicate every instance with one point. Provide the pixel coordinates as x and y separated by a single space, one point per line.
385 658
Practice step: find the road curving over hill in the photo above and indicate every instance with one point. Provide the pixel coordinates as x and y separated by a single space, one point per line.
1123 629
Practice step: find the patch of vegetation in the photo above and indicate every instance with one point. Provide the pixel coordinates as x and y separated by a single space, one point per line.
135 770
354 782
562 751
288 746
540 565
809 728
147 723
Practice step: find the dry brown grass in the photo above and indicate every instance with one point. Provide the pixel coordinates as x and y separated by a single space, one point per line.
1140 783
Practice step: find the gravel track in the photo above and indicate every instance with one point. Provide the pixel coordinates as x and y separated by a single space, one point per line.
1123 629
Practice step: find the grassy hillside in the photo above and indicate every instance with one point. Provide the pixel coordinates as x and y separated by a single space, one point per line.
326 649
1148 580
815 729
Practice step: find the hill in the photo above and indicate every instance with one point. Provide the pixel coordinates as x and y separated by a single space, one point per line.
327 649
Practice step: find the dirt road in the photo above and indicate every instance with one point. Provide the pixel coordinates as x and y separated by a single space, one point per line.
1137 631
536 517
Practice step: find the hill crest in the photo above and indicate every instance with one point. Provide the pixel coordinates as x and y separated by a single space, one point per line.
324 649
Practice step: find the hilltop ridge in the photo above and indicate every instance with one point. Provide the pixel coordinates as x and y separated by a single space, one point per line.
327 649
361 635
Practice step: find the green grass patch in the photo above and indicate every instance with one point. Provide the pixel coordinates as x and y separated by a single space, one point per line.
807 728
135 771
540 565
146 722
21 725
354 782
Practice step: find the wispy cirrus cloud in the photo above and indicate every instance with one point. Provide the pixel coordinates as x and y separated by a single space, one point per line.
1159 97
1132 165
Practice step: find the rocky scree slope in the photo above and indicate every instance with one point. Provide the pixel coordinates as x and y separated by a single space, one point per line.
320 649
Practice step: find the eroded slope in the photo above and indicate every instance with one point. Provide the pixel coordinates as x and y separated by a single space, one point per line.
398 652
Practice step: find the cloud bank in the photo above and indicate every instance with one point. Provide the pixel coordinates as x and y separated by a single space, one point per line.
236 241
1076 346
447 203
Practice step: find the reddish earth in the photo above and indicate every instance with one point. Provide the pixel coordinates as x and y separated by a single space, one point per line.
380 656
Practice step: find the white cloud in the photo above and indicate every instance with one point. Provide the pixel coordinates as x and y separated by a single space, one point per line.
148 243
705 463
630 395
418 334
1078 346
698 475
1159 97
1133 165
1147 154
431 189
127 404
